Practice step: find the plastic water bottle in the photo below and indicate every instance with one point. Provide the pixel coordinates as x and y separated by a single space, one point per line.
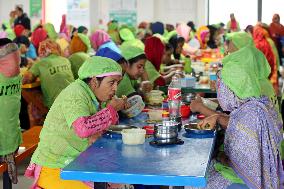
174 100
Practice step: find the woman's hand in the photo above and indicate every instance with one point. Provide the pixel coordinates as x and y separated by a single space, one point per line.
195 105
119 103
146 86
208 123
94 137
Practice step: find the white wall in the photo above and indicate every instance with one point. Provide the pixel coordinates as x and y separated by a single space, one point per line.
167 11
145 10
6 6
54 11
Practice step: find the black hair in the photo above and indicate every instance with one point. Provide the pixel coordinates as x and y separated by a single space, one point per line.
122 61
249 28
4 41
22 40
211 42
168 47
174 41
191 25
137 58
4 27
19 8
88 80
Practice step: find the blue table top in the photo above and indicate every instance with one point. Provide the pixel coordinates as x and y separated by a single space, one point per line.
109 160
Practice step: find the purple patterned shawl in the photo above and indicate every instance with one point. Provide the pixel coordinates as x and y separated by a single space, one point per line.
252 139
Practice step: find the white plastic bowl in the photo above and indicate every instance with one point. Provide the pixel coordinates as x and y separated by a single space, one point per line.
155 115
133 136
137 105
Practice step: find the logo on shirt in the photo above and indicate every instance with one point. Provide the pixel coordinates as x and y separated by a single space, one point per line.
10 89
56 69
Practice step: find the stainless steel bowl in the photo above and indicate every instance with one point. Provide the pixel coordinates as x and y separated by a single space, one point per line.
192 128
165 132
118 128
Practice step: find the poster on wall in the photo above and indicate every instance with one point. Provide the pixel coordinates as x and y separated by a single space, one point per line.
124 11
78 13
35 11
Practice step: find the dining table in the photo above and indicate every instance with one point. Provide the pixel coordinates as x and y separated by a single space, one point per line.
109 160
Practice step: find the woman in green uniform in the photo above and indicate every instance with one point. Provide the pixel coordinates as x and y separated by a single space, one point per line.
79 115
10 103
79 47
53 70
133 72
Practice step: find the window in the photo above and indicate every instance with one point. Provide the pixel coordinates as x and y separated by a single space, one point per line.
269 8
245 11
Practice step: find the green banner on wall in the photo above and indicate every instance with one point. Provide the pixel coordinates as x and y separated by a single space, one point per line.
124 17
35 8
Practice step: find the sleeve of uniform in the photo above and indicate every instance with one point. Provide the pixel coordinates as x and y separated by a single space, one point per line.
35 69
77 114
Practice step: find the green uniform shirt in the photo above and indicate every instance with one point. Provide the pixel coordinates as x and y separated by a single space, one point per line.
76 60
153 74
126 86
55 74
10 103
59 144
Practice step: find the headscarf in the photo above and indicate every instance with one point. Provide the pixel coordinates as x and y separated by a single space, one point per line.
234 25
3 34
114 35
246 70
50 31
97 66
126 34
143 25
276 29
112 26
18 29
81 29
48 47
157 27
9 58
184 31
109 53
38 36
98 38
201 34
63 23
77 45
9 31
263 45
254 124
154 51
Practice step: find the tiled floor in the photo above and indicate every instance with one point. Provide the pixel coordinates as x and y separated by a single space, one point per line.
23 183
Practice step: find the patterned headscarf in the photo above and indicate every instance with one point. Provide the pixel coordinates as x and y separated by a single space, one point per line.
201 34
48 47
98 38
254 124
263 45
184 31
